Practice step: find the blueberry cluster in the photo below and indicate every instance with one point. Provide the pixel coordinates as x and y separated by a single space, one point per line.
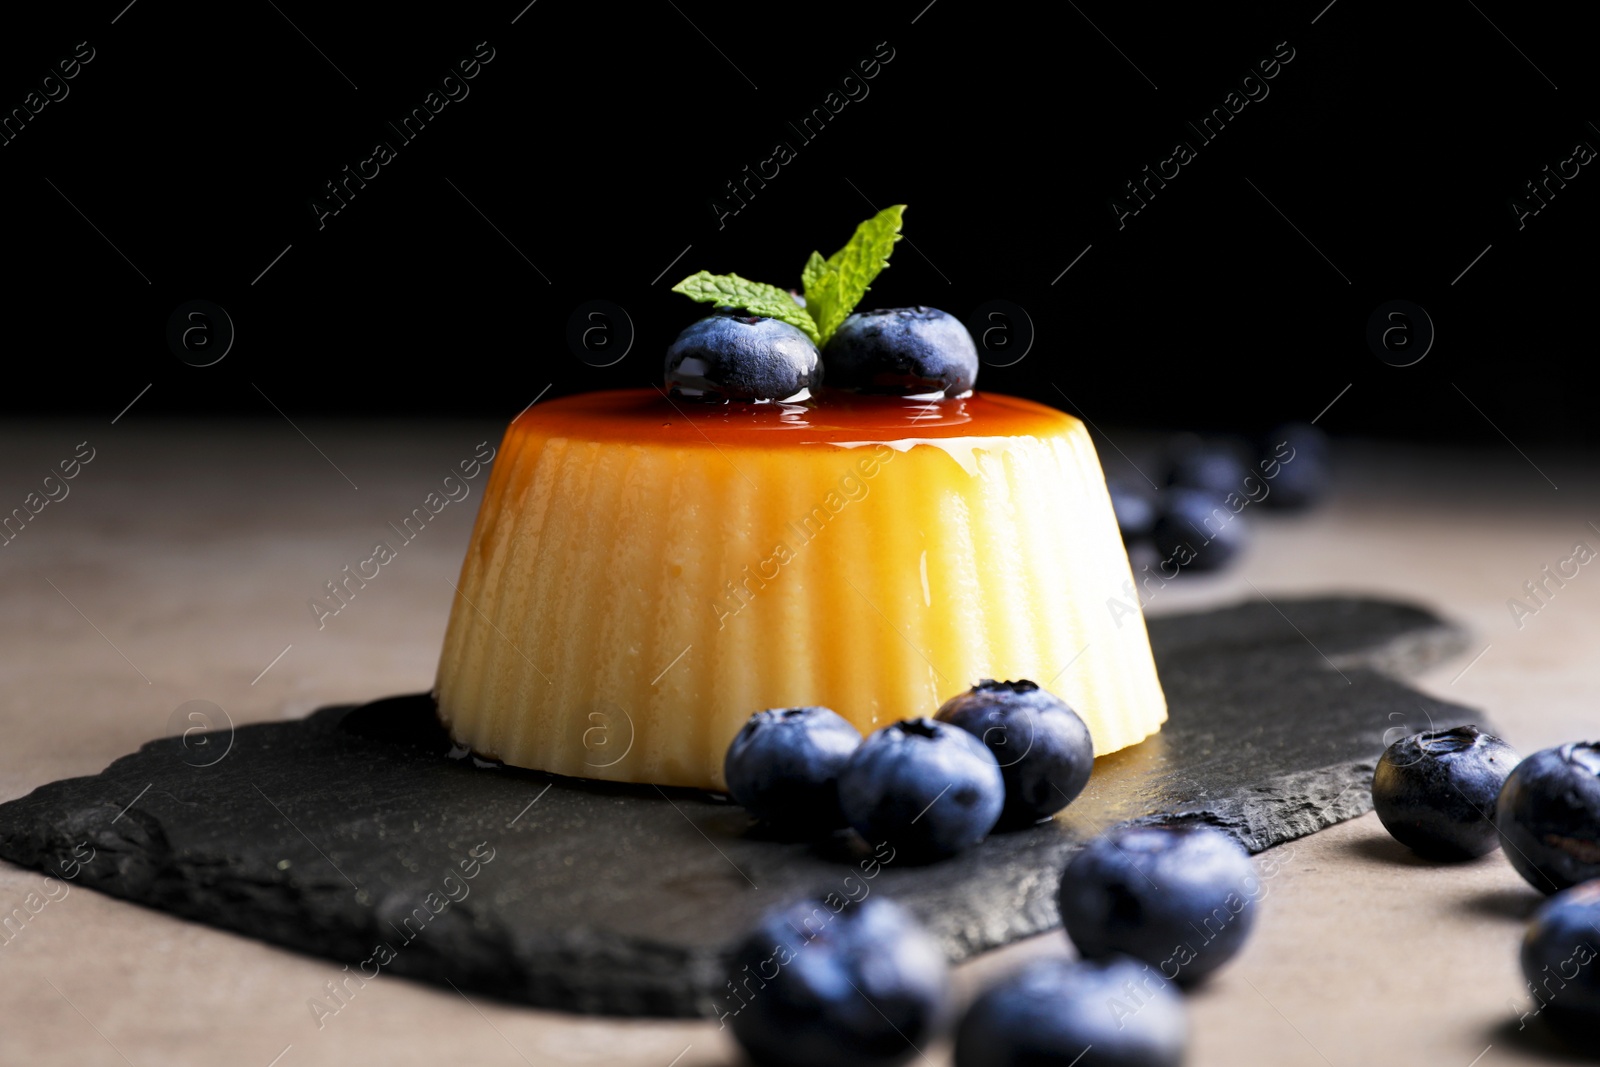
1461 793
1002 753
916 351
1151 909
1195 521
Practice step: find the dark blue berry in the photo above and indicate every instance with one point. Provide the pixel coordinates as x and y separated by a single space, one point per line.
742 357
1116 1012
1043 748
1216 466
928 788
1548 815
858 986
1294 461
1435 791
1558 961
1198 530
902 351
1180 898
1135 510
784 765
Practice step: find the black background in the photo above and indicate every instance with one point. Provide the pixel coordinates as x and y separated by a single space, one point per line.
594 143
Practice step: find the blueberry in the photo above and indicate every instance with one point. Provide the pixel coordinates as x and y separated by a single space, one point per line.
1043 748
1548 815
902 351
1197 530
1294 460
863 986
1300 438
1135 510
1216 466
784 765
1180 898
1558 952
742 357
928 788
1435 791
1116 1012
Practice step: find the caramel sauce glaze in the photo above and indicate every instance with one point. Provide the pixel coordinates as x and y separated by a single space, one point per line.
649 416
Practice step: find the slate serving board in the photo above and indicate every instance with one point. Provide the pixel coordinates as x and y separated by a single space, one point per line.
354 834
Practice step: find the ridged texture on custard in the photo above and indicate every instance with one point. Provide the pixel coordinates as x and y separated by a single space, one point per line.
624 607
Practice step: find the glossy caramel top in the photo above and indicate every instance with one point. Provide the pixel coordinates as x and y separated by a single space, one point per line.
649 416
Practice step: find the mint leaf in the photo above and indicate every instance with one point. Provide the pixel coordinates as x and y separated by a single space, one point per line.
834 286
758 298
814 269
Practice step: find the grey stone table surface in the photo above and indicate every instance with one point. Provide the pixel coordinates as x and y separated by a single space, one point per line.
178 569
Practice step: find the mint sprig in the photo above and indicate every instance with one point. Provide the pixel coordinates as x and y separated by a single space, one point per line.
758 298
833 286
834 290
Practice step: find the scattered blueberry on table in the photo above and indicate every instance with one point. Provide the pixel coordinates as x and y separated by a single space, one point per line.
1548 815
1135 510
864 986
783 767
1198 530
1043 748
1435 791
912 351
1558 952
1219 467
742 357
1180 898
1197 520
1296 456
928 788
1115 1012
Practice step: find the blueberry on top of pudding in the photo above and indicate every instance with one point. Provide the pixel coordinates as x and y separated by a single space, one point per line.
742 357
915 351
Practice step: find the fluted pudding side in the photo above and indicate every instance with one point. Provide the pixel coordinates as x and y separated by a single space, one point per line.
642 577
